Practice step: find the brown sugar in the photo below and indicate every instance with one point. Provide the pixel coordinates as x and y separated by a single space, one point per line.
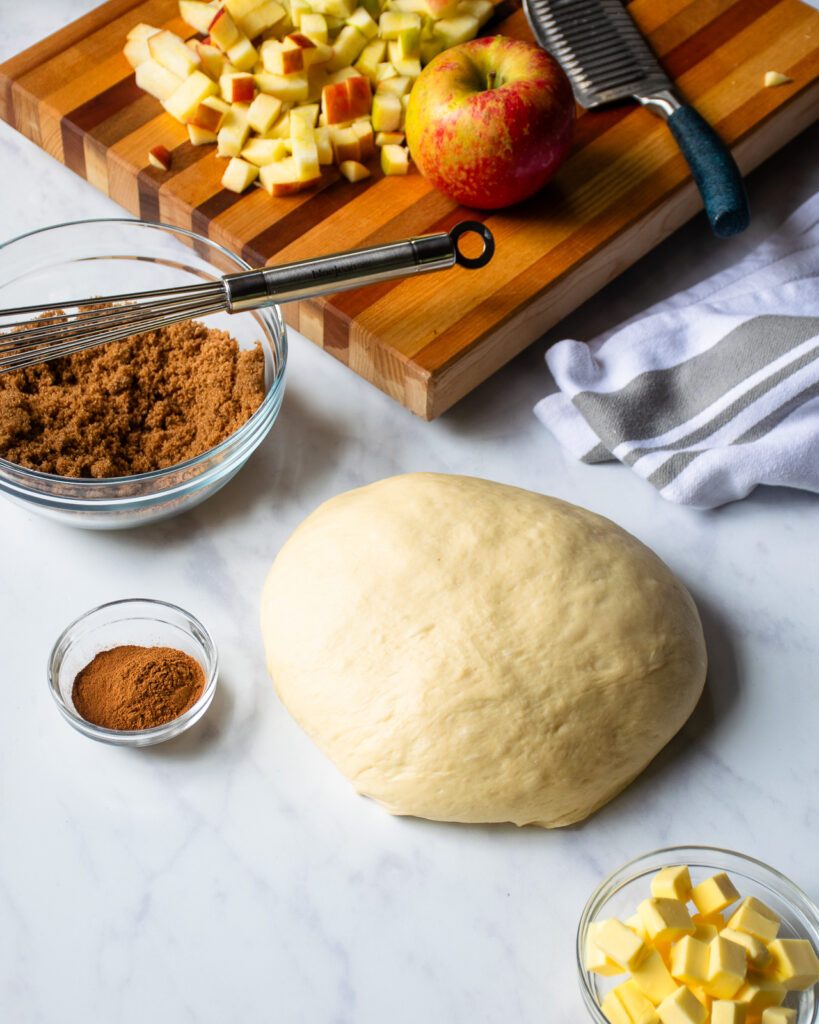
145 403
132 687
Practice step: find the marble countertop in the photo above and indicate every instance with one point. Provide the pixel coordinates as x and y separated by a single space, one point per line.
232 875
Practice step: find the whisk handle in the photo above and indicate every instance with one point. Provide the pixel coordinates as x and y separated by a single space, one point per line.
355 268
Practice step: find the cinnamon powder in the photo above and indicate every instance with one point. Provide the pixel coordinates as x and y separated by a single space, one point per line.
145 403
132 687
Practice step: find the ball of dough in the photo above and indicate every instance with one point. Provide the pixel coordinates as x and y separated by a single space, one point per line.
466 651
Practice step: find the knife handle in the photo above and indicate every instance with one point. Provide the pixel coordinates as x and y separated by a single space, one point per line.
715 172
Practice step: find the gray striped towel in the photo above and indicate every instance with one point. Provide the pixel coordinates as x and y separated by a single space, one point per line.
712 392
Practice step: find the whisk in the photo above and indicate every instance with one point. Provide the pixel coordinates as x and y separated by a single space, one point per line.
37 334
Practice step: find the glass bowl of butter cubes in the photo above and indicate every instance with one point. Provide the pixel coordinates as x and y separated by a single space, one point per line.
699 935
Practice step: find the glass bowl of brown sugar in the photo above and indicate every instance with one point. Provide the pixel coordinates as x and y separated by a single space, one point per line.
153 460
129 664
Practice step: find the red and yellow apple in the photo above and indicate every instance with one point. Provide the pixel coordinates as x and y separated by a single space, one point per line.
490 121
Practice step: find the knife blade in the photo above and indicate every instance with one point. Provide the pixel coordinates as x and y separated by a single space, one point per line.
607 60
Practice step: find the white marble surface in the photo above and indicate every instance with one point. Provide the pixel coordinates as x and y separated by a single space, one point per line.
232 875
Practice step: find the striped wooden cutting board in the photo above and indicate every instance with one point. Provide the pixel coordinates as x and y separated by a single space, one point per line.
427 342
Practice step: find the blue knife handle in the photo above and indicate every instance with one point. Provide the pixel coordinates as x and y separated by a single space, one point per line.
715 172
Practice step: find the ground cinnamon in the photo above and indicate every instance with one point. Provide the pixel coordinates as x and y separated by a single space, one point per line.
132 687
145 403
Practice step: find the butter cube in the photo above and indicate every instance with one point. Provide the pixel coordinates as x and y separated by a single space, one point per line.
701 995
794 963
596 960
613 1009
724 1011
716 921
753 917
666 920
635 922
714 894
620 943
639 1008
689 961
759 993
706 929
672 884
727 968
755 951
682 1007
778 1015
653 978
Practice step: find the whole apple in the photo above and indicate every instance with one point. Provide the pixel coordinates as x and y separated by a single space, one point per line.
490 121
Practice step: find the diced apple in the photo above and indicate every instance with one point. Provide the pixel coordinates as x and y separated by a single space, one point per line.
371 56
160 157
155 79
335 8
224 31
305 155
306 114
241 8
142 31
389 139
200 136
345 144
347 100
367 26
281 61
392 23
281 129
211 59
353 170
439 9
414 6
264 151
282 178
430 48
183 102
454 31
262 18
239 87
366 139
480 9
210 113
197 15
386 112
136 52
409 43
324 145
243 54
298 9
263 112
342 75
409 67
347 47
773 78
233 134
312 53
173 53
287 88
239 175
398 86
394 160
384 71
314 26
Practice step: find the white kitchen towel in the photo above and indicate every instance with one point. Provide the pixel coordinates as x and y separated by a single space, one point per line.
712 392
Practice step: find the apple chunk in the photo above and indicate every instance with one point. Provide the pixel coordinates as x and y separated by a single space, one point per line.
262 18
153 78
282 178
394 160
223 30
239 175
196 14
238 88
263 112
173 53
353 170
160 157
208 116
233 133
347 100
184 101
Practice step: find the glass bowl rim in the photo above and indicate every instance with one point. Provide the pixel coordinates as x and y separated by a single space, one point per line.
129 737
270 315
623 876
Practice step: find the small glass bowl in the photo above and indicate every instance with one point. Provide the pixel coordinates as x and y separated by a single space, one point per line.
620 893
143 623
106 257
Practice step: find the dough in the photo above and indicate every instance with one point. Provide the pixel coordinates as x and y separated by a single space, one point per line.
466 651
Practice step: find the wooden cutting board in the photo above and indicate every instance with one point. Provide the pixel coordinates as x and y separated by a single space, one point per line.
427 342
